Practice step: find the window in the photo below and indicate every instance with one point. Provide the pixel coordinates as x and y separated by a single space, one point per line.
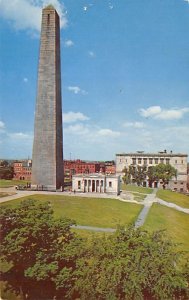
139 160
134 161
156 161
175 182
150 161
167 161
79 185
101 182
145 161
175 161
110 184
182 161
161 160
182 183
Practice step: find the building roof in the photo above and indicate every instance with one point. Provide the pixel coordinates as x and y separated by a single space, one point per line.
95 175
158 154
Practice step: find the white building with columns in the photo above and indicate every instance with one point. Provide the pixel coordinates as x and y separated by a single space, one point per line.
177 160
96 183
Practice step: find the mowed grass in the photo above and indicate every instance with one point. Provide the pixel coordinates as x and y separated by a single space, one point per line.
175 222
98 212
9 183
135 188
177 198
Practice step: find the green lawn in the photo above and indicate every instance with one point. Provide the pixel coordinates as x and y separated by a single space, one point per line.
9 183
98 212
176 223
135 188
177 198
139 197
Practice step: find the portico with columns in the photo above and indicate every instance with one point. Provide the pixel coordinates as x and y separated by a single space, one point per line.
96 183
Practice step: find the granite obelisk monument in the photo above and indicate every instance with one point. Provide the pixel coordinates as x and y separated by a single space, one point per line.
47 160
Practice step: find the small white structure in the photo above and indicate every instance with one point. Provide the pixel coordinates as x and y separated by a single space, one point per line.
96 183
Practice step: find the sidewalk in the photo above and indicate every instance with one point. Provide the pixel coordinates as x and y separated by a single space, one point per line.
148 201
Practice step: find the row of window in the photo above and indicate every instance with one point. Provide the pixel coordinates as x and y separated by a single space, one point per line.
150 161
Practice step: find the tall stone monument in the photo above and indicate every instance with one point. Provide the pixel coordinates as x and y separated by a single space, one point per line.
47 160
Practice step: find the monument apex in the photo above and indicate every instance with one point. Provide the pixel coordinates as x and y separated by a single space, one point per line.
47 159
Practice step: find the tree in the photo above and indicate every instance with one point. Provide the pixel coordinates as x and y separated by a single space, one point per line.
132 264
127 176
163 172
4 163
38 248
49 261
6 172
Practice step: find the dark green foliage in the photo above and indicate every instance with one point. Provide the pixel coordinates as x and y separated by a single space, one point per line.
161 172
48 261
132 264
37 246
135 174
6 172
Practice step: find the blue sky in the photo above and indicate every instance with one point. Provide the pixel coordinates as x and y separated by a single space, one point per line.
125 78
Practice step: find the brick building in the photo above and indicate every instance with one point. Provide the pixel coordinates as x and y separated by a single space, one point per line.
72 167
22 170
177 160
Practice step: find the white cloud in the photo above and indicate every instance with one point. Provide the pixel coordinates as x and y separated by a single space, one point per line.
2 125
68 43
150 111
25 79
20 135
157 112
108 133
186 1
71 117
77 129
26 14
172 114
134 124
91 54
76 90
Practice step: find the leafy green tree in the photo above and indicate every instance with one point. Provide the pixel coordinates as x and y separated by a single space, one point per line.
4 163
39 249
6 172
127 176
162 172
132 264
152 176
48 261
138 173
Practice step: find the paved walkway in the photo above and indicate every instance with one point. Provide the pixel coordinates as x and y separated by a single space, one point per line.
96 229
172 205
148 201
